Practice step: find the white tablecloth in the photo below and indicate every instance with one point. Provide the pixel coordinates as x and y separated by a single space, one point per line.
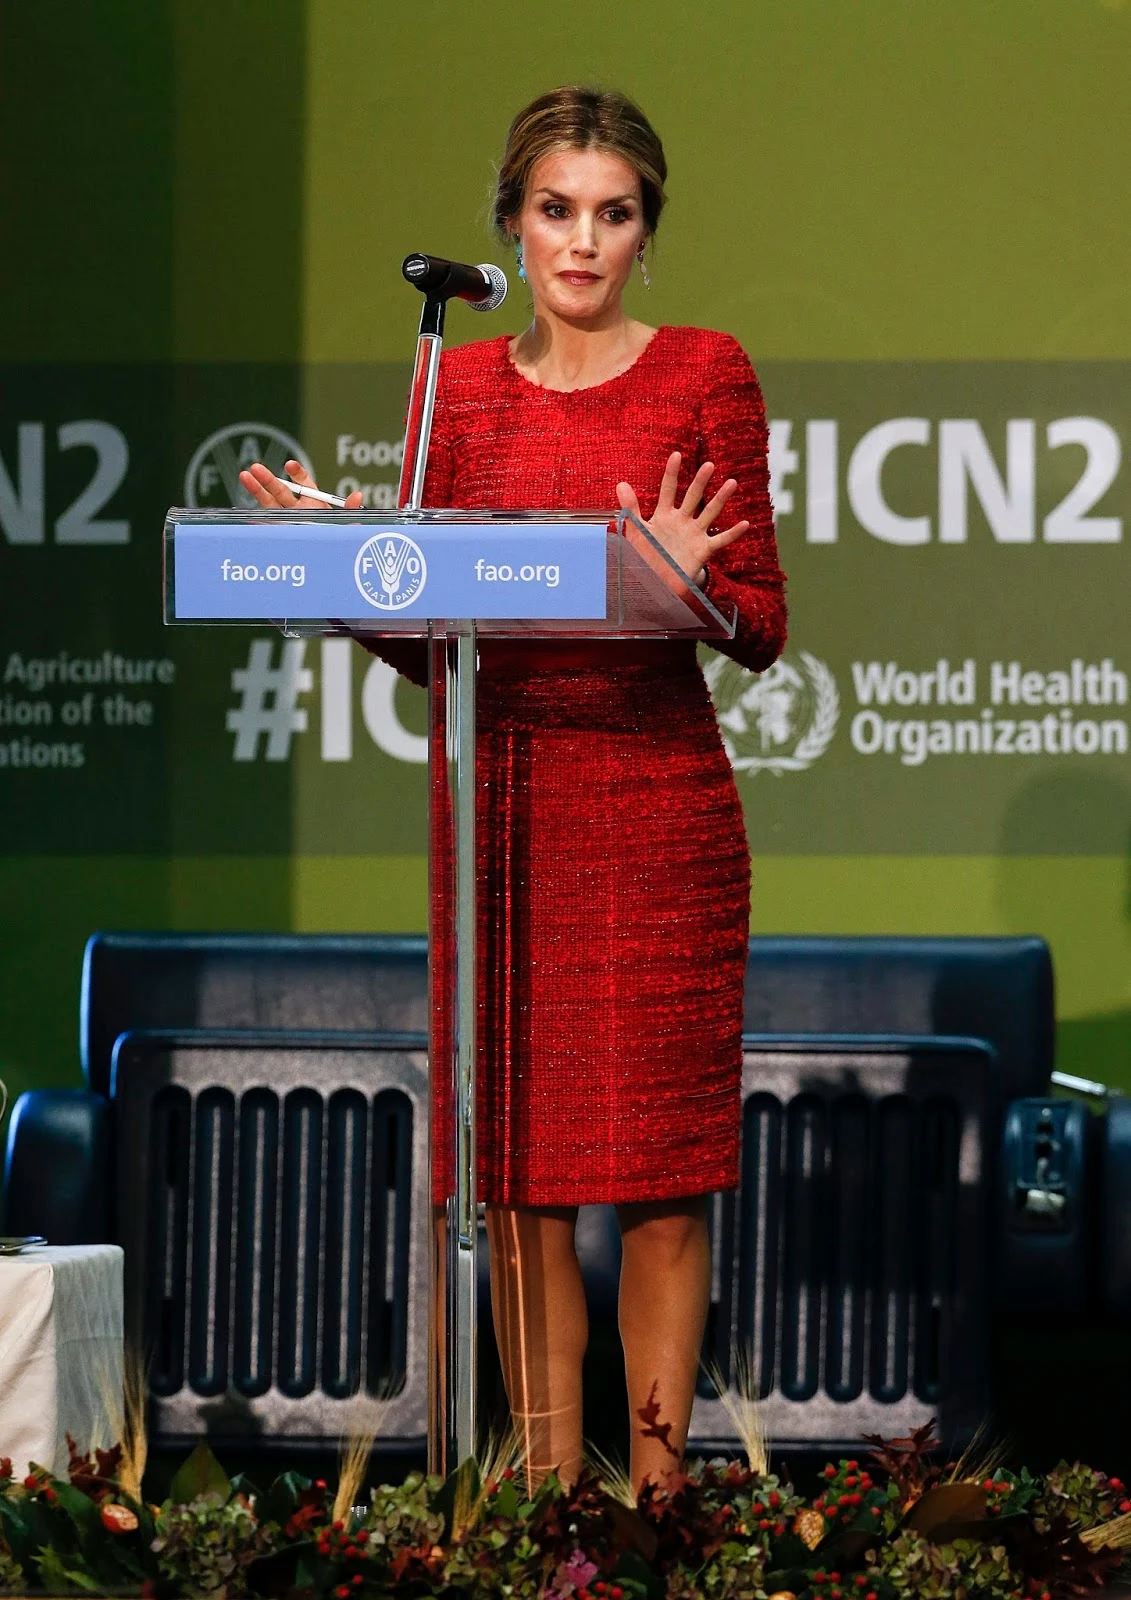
60 1351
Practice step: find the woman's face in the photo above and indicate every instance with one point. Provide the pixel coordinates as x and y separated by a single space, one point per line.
581 224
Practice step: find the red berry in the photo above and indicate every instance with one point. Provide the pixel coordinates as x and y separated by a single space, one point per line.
988 1486
871 1595
775 1499
31 1482
600 1586
850 1481
765 1525
834 1577
875 1511
362 1536
860 1580
319 1483
338 1526
49 1495
342 1591
779 1528
819 1575
830 1511
616 1592
1115 1484
1125 1505
508 1472
357 1580
830 1472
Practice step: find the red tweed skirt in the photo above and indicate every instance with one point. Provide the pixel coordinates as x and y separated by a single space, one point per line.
614 883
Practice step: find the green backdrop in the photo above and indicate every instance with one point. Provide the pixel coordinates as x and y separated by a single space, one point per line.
916 219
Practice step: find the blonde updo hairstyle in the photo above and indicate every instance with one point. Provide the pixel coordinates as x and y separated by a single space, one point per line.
577 118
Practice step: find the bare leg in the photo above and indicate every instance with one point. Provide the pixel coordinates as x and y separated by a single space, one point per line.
665 1288
542 1328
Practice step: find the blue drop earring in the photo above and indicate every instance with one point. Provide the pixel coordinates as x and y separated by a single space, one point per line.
518 258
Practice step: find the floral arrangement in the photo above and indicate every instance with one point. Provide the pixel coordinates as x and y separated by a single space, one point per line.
894 1523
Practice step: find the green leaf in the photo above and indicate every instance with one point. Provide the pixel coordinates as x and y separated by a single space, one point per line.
281 1498
58 1578
467 1474
506 1501
633 1569
200 1474
79 1507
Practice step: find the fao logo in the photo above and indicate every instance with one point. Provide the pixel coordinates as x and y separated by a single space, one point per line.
777 721
213 476
390 570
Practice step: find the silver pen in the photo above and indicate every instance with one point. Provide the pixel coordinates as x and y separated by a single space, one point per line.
314 494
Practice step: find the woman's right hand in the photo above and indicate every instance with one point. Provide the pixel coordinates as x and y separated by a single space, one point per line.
276 494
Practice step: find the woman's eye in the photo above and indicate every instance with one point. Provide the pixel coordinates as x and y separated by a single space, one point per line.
618 214
553 208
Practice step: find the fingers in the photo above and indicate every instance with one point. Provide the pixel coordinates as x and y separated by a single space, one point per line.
627 500
355 500
697 488
719 541
271 494
299 475
669 482
710 511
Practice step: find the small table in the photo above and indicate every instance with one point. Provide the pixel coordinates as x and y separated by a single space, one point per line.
60 1352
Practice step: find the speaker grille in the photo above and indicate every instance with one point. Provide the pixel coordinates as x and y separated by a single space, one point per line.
280 1234
850 1286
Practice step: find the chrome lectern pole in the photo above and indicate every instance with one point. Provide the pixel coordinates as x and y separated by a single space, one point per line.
452 1309
462 1218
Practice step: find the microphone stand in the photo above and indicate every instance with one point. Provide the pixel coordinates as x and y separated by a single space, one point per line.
421 404
451 677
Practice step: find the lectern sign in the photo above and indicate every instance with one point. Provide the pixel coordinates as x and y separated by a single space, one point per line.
246 571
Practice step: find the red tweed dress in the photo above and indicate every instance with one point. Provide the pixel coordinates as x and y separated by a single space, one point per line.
613 866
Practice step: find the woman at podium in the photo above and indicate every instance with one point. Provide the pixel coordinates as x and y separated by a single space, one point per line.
614 868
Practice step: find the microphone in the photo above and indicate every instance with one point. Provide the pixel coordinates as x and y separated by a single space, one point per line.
483 287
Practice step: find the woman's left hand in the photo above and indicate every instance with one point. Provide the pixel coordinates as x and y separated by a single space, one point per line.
684 530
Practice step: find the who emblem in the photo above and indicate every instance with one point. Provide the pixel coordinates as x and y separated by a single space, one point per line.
213 476
390 570
776 721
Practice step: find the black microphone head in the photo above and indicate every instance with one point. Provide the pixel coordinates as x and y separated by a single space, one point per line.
497 278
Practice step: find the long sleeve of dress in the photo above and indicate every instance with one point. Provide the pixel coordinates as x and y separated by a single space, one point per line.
746 573
410 656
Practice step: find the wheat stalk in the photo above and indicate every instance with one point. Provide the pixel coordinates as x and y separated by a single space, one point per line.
1113 1535
744 1412
980 1460
355 1450
125 1411
613 1475
499 1453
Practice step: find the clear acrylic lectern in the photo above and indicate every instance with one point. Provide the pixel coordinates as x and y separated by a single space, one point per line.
450 578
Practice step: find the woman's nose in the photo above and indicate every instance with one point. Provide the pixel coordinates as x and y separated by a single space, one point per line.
585 239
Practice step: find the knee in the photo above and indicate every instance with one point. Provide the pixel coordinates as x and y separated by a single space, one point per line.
664 1238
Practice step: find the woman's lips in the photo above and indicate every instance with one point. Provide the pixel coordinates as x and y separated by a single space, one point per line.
579 277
